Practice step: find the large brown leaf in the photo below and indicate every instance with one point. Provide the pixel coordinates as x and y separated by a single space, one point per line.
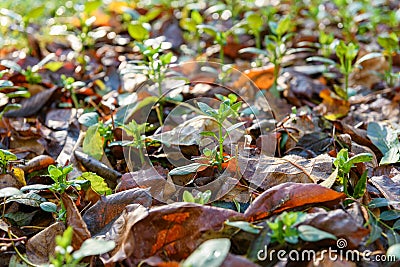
42 245
339 223
288 196
171 232
107 208
74 219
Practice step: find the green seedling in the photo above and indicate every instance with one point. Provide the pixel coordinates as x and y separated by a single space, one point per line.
136 131
344 164
346 55
200 198
66 256
59 176
276 48
69 84
190 23
5 158
8 90
347 11
390 44
228 108
285 229
220 37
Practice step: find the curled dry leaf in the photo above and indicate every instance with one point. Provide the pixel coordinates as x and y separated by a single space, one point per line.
42 245
37 163
288 196
171 231
109 207
74 219
332 107
340 223
388 188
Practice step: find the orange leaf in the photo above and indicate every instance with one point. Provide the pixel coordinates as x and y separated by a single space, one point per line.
288 196
262 77
331 107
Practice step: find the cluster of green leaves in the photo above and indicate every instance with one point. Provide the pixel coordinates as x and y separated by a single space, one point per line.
276 46
200 198
66 256
286 228
5 158
390 44
228 108
386 140
343 164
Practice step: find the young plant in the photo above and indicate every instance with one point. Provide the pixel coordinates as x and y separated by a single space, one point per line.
285 229
344 164
276 48
229 107
220 37
200 198
346 55
5 158
69 84
65 256
136 131
390 44
190 23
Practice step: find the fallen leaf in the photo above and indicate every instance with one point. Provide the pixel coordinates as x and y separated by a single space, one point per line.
171 231
109 207
37 163
332 107
41 246
388 188
288 196
74 219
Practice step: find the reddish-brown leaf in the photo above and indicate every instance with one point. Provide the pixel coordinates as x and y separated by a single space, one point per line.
171 231
288 196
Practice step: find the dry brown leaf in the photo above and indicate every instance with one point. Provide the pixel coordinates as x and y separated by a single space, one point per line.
41 246
288 196
388 188
74 219
109 207
171 231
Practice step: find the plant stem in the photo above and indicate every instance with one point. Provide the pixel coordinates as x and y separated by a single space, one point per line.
221 146
221 53
346 84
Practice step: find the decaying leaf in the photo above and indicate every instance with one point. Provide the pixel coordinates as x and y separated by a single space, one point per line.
171 231
288 196
333 107
108 207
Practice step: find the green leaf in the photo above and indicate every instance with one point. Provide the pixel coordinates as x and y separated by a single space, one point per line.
48 206
394 250
396 225
255 22
210 30
29 199
20 218
35 13
97 183
93 247
312 234
188 197
245 226
392 156
187 169
361 186
209 133
7 155
197 17
253 50
9 191
283 26
54 172
379 136
93 143
389 215
89 119
24 94
362 157
91 6
53 66
378 202
321 59
211 253
137 31
393 237
207 109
